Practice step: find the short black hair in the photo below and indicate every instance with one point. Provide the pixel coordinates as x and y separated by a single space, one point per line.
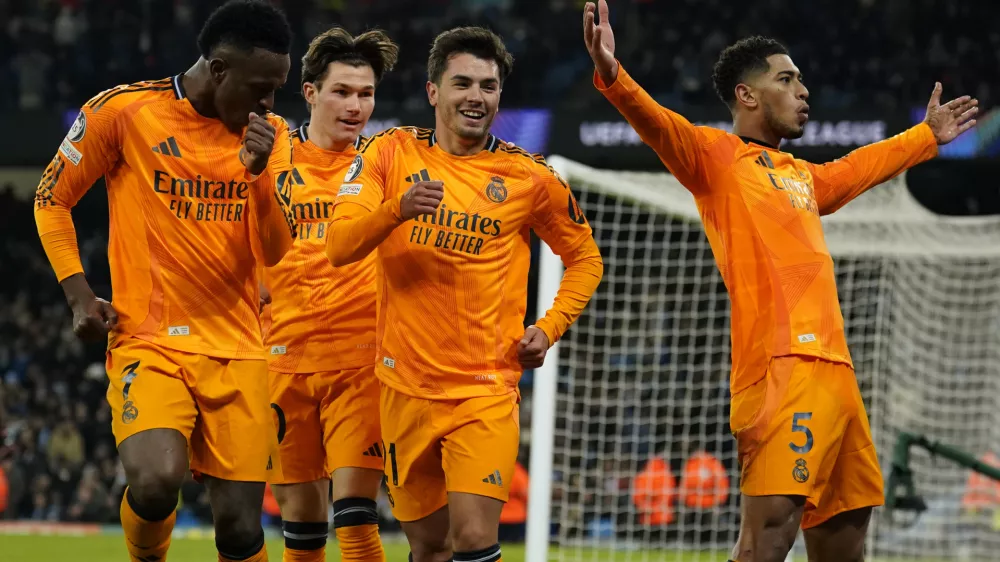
740 60
372 48
476 41
246 25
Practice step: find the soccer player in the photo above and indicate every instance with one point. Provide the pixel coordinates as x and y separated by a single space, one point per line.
805 446
322 332
450 211
192 166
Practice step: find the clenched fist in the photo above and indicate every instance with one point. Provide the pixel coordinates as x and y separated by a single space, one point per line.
421 199
257 144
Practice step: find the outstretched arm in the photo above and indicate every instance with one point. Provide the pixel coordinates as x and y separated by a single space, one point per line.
840 181
678 143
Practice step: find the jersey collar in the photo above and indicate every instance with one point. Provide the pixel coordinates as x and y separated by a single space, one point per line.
491 141
179 87
751 140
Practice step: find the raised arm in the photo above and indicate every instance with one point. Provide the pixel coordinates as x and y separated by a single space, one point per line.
840 181
679 144
89 150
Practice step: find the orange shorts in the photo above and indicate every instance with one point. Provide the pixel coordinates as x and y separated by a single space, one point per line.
219 405
438 446
803 431
326 421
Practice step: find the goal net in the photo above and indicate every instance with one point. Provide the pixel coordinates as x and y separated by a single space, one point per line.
642 401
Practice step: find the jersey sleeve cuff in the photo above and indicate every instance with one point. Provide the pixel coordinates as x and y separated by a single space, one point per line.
615 88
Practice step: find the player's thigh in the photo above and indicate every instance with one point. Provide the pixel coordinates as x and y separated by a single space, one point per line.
789 428
768 526
840 538
295 409
234 438
412 429
303 501
352 434
855 482
153 413
428 537
480 453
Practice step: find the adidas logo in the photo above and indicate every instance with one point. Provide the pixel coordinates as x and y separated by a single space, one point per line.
168 148
494 479
373 451
765 160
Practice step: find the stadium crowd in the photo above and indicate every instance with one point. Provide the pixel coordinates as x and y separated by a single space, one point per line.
859 53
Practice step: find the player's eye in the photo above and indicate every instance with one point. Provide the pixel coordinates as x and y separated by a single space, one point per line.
367 94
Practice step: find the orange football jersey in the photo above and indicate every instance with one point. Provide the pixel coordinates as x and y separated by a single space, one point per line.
184 241
322 318
761 210
452 286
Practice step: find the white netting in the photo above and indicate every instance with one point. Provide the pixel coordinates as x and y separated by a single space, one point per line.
644 372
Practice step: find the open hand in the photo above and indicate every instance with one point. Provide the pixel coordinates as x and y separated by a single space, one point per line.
257 144
600 41
950 120
532 348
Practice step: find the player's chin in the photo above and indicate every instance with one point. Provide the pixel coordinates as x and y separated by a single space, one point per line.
795 130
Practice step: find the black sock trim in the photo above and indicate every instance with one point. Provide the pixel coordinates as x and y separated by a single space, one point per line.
488 554
354 512
258 545
305 535
151 515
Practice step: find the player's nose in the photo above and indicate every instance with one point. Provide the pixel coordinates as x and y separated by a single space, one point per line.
267 103
803 93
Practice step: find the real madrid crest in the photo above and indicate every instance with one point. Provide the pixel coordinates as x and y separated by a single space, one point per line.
800 473
496 191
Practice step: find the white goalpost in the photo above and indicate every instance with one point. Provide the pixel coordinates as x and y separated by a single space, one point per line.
644 375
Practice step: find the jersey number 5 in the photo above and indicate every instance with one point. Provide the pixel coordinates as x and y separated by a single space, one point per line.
797 427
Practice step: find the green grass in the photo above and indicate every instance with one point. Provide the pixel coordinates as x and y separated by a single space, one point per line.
111 548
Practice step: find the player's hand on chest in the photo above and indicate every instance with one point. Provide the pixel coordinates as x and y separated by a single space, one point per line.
461 212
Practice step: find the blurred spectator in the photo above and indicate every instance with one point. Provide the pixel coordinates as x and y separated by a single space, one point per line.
66 445
704 482
515 511
654 493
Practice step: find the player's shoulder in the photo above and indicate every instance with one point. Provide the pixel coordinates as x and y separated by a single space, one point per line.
405 136
533 162
277 121
125 95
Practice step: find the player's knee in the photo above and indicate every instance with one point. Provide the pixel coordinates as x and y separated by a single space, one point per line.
473 536
237 535
156 485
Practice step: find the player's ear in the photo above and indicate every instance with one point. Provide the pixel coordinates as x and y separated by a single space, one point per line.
432 93
218 67
310 92
746 96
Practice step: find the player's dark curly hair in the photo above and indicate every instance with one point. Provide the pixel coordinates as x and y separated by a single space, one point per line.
246 24
740 60
372 48
476 41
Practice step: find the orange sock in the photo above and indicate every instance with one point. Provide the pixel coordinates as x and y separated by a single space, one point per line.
292 555
360 543
145 540
261 556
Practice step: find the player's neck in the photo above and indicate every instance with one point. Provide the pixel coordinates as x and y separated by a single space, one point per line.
197 88
754 129
318 136
455 145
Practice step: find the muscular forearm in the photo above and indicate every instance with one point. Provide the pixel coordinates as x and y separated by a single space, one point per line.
584 269
58 236
350 239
